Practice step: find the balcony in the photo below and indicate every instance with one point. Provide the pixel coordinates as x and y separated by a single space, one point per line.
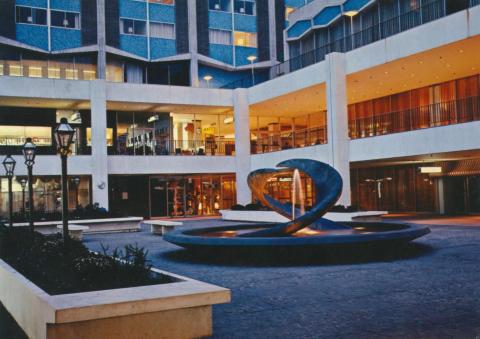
439 114
287 140
210 147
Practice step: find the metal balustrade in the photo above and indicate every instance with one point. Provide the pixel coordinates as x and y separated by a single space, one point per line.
439 114
289 139
211 147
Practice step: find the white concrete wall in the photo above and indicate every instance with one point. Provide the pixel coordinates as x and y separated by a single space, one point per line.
50 165
170 164
425 141
270 160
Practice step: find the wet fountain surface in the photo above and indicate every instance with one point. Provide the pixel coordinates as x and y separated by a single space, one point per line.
306 229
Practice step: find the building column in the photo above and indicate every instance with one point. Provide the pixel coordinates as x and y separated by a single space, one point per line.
241 118
192 42
98 107
337 121
441 195
101 41
272 32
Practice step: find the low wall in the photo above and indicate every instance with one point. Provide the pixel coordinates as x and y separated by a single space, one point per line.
181 309
106 225
272 216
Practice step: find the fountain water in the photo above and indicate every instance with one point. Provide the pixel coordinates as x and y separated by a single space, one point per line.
297 193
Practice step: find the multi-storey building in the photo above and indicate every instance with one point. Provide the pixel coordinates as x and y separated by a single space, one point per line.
176 101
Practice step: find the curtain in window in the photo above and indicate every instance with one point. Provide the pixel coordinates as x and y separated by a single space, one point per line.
221 37
161 30
134 73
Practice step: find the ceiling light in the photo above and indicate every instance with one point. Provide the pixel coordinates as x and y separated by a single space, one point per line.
431 169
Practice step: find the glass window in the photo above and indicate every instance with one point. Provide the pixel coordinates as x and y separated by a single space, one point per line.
162 30
221 37
288 11
65 19
164 2
245 7
245 39
219 5
28 15
129 26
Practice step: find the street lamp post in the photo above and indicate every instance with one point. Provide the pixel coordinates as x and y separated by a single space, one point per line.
351 14
23 183
64 138
207 78
252 59
9 164
29 150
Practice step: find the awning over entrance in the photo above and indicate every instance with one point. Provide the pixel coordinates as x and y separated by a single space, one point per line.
458 168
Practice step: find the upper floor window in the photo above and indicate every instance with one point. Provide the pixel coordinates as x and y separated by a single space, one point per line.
136 27
162 30
245 7
219 5
221 37
29 15
245 39
65 19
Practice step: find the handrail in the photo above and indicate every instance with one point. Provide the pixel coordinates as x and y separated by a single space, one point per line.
433 115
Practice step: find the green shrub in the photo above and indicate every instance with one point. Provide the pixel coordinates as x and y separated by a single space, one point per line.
59 269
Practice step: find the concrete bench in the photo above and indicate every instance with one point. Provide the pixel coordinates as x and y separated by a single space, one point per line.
161 227
75 231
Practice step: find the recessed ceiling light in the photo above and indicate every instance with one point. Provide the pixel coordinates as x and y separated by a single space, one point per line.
386 72
420 62
448 65
412 75
460 50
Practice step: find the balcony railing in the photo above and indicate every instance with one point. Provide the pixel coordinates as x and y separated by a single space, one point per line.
440 114
179 147
290 139
429 11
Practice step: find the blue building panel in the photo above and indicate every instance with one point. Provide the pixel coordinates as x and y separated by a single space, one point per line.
162 13
355 5
245 23
66 5
134 44
242 53
132 9
299 28
161 48
223 53
220 77
32 35
32 3
65 38
327 15
220 20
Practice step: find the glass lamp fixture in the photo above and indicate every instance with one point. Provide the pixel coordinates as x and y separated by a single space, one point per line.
9 165
64 136
29 152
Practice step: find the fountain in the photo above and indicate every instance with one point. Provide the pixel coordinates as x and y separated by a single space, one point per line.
306 229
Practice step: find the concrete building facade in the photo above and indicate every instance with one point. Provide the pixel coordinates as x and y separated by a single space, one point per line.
171 115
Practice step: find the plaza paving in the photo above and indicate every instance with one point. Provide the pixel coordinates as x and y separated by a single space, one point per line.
430 289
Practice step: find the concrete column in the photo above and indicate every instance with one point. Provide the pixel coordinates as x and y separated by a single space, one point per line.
441 195
101 41
337 120
272 32
192 42
242 144
98 105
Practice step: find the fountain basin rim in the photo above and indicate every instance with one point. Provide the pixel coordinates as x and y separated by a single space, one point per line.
187 238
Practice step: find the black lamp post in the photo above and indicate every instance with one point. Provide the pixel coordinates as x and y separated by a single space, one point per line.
64 138
29 150
76 182
9 164
23 183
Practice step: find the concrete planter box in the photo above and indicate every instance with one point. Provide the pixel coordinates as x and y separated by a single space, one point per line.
102 225
181 309
272 216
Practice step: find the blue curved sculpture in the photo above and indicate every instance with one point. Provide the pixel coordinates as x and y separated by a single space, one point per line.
321 232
